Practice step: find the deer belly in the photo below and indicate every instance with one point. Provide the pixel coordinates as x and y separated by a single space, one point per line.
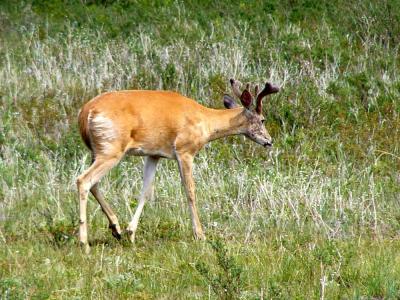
139 151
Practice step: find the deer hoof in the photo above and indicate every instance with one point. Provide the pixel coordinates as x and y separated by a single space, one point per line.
131 235
85 247
199 236
116 232
117 235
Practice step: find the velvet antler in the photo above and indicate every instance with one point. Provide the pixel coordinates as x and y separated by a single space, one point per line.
268 89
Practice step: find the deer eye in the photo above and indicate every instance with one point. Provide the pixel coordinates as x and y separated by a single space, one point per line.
262 121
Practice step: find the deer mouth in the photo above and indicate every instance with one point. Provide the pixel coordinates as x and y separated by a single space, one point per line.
267 144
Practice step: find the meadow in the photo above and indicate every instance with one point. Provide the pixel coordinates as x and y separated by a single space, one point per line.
317 216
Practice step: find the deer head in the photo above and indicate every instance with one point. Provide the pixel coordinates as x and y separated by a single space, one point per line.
254 127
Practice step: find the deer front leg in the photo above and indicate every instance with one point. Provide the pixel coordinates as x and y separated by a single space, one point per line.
185 163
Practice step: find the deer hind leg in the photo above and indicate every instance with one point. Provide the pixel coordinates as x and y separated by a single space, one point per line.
148 177
112 218
185 163
85 182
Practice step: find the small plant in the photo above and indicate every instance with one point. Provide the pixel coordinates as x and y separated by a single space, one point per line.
226 279
60 232
11 288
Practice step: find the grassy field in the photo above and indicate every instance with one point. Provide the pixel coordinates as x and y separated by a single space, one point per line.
315 217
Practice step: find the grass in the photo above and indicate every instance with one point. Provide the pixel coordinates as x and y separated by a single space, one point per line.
317 216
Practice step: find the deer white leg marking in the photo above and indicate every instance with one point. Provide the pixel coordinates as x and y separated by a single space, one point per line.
85 182
148 177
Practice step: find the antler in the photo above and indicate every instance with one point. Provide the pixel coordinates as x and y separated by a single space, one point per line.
235 87
245 97
268 89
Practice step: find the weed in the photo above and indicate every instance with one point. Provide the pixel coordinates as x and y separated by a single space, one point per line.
225 278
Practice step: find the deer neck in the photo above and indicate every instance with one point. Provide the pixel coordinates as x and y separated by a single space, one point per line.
225 122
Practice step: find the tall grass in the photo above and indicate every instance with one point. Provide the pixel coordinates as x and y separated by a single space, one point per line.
314 209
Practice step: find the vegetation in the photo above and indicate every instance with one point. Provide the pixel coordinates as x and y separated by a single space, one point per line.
316 216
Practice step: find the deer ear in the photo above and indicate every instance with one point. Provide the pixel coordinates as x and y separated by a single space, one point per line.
246 98
229 102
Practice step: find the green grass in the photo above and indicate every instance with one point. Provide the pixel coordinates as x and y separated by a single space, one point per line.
293 265
315 217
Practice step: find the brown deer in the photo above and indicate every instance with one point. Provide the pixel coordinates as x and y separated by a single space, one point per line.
158 124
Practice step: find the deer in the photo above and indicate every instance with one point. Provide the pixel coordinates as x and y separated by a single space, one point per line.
159 124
